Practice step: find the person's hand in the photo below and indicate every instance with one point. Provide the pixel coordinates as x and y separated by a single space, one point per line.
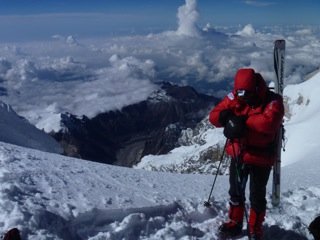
224 116
235 127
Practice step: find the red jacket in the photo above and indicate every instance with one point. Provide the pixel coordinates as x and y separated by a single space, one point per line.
263 122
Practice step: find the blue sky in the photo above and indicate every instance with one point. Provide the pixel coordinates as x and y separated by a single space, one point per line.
222 11
116 16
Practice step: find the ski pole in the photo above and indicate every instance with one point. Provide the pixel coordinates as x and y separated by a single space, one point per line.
207 203
241 183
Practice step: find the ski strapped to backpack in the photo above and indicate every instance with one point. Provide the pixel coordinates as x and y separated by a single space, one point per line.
278 57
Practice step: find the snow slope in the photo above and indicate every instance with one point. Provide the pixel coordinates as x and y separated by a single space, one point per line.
49 196
302 127
17 130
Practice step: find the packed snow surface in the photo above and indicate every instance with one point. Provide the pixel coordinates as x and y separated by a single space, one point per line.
49 196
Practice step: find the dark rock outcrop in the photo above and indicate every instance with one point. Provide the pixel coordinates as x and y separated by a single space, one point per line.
148 127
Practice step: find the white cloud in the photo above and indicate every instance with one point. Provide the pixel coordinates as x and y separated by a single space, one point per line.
67 85
248 30
187 19
305 31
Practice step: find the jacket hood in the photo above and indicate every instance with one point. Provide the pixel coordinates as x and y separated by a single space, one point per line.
261 87
245 79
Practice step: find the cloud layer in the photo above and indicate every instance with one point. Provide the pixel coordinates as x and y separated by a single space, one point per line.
87 76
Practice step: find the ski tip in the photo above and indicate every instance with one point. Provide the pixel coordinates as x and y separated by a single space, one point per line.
281 43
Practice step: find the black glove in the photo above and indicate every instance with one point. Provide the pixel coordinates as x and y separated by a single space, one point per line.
235 127
224 116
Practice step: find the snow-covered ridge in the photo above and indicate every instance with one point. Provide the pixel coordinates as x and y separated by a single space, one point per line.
17 130
199 152
159 95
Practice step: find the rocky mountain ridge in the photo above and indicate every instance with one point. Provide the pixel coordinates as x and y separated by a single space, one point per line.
123 137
